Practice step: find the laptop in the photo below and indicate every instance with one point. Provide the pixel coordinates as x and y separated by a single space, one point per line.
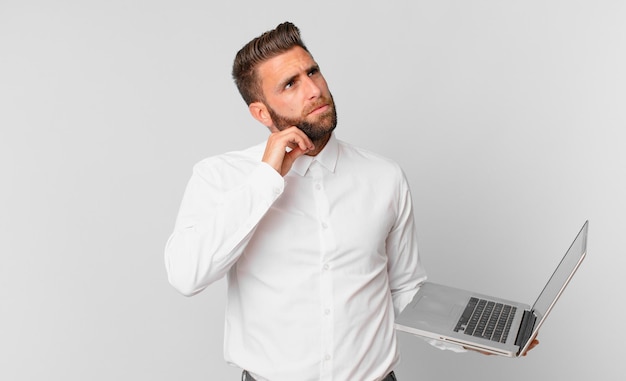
484 322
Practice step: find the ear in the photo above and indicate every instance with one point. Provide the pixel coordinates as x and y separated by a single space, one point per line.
258 110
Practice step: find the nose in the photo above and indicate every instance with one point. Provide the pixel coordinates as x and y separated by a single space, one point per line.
314 89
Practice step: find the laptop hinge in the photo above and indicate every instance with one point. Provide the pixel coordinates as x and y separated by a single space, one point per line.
526 328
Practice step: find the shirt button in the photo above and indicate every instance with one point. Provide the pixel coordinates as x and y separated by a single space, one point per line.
326 266
327 311
324 225
327 357
318 187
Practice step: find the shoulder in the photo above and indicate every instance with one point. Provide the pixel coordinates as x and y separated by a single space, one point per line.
231 163
370 160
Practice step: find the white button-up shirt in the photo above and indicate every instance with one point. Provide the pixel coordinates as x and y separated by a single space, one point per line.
315 261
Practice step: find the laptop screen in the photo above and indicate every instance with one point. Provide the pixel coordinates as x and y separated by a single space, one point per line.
562 274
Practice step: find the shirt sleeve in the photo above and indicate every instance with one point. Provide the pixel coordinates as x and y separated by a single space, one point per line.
405 269
218 214
406 273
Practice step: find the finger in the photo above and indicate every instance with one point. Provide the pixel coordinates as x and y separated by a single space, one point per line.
284 147
298 137
301 144
531 346
290 158
295 153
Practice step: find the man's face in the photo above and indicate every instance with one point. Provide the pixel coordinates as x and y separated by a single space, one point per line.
296 94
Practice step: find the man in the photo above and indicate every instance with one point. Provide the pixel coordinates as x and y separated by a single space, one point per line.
316 237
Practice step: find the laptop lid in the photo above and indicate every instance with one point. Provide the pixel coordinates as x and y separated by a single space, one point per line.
557 283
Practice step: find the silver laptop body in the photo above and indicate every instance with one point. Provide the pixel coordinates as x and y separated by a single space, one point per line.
463 317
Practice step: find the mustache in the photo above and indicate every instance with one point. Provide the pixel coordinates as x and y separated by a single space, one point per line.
322 101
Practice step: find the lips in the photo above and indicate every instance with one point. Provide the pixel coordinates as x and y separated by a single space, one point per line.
321 106
319 109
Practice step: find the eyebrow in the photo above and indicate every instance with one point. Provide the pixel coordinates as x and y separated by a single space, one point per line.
283 83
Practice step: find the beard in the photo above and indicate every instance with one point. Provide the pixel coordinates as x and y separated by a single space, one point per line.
317 129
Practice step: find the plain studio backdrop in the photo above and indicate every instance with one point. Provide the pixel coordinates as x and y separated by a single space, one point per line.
508 117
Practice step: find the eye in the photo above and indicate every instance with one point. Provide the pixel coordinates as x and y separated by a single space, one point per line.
289 85
313 71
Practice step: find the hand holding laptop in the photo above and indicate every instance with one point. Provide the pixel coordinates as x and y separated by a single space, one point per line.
485 323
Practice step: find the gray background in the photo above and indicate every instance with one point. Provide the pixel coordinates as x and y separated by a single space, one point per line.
507 116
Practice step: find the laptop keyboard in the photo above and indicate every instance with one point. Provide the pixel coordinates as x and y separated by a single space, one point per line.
486 319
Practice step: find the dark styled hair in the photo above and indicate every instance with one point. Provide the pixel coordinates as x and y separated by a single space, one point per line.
268 45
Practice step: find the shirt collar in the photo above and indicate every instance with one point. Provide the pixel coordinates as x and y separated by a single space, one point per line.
327 158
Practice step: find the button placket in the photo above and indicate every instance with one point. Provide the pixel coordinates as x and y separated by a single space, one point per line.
326 281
